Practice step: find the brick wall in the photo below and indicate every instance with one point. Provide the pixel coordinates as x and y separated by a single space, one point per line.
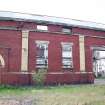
11 45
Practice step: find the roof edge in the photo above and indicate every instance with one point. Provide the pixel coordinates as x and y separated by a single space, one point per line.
16 16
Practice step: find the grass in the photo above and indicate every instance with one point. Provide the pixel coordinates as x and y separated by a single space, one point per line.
58 95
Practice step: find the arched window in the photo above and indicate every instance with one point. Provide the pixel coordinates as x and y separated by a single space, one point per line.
2 62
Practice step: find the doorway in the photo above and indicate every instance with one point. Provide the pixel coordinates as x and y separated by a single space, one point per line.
99 62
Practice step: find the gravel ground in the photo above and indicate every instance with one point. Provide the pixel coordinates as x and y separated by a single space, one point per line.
16 101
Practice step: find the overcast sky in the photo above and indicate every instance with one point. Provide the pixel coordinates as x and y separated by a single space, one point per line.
90 10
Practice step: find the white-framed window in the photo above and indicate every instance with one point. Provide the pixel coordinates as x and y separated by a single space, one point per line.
67 59
42 27
42 54
66 30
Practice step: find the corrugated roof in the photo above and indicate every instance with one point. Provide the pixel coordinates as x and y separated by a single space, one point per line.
7 15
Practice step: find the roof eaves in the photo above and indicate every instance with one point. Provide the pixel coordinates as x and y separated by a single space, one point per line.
51 20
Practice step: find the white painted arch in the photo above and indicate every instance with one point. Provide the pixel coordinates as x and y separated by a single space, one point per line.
2 62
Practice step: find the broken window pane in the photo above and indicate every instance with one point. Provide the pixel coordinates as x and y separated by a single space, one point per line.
41 54
67 55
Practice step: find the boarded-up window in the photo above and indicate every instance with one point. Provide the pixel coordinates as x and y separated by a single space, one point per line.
67 30
42 27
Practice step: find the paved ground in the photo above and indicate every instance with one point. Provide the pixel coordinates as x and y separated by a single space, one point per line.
99 82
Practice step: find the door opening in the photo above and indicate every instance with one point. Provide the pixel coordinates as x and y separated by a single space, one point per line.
99 62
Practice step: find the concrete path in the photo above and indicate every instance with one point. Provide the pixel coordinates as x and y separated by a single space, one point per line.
99 82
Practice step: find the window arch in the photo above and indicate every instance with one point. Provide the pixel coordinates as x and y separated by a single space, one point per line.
2 62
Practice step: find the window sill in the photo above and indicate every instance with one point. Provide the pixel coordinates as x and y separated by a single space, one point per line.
41 67
41 30
67 69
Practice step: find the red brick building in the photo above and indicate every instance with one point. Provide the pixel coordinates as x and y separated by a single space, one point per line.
65 47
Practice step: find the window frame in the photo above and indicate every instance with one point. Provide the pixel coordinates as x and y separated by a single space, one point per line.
70 58
45 43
